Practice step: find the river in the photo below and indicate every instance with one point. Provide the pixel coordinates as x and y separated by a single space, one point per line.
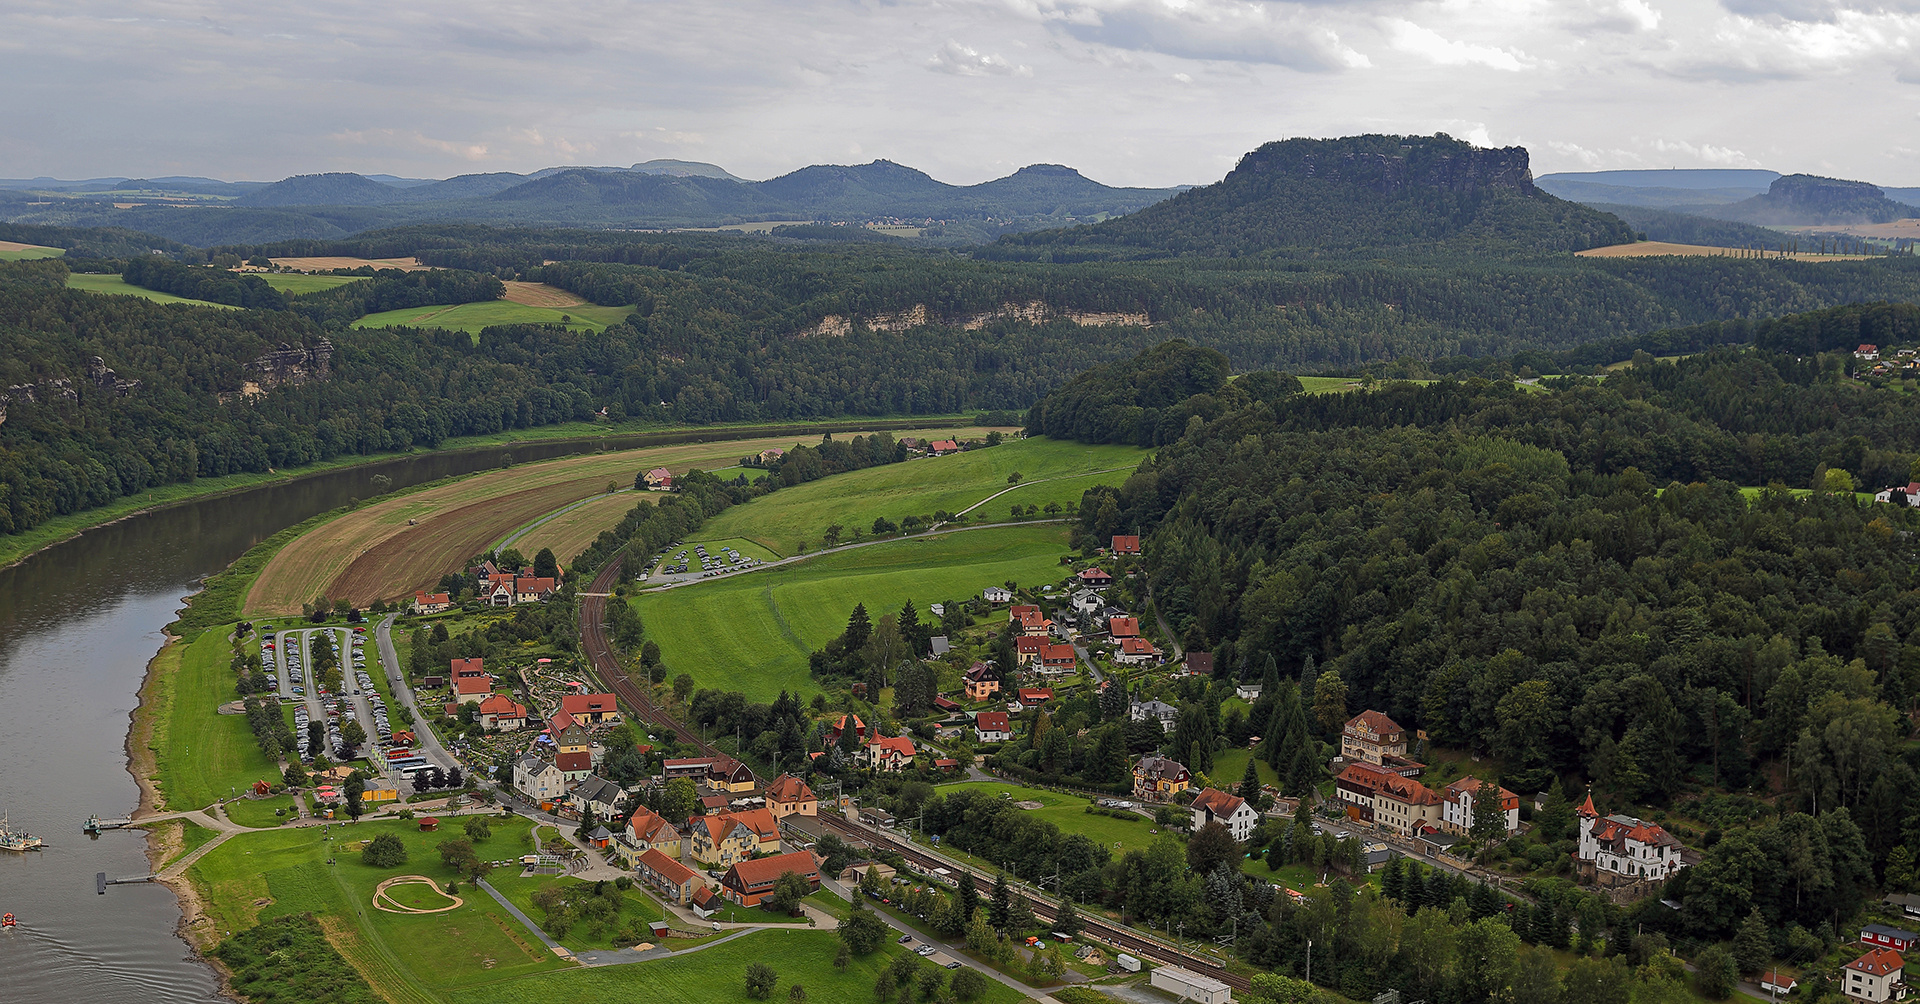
78 624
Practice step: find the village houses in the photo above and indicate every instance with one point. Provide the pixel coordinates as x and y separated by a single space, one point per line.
1159 778
541 782
749 882
727 837
790 796
1623 845
1231 811
1464 797
992 727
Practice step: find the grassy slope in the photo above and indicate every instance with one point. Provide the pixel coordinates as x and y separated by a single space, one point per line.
753 632
476 944
474 316
920 487
30 252
117 285
202 755
716 976
288 282
1068 812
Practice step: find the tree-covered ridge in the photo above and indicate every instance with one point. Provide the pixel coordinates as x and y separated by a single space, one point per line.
195 282
1356 192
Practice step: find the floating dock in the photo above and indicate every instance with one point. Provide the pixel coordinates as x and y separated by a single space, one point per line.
95 824
101 881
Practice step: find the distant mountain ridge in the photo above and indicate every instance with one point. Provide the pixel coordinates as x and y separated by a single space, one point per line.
1806 199
1355 192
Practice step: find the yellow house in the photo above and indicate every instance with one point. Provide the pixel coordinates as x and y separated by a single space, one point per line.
379 795
788 796
645 832
1157 777
734 836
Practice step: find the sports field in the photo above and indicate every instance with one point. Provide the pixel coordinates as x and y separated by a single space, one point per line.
753 632
781 521
570 532
287 282
1069 813
116 285
471 317
207 755
16 251
372 553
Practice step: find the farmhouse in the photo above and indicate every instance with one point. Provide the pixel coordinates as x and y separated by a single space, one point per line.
538 780
982 681
749 882
1231 811
431 603
500 713
992 727
1156 777
1126 544
591 709
1623 845
658 480
670 877
1879 975
790 796
1458 802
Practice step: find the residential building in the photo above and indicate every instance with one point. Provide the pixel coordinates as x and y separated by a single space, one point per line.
1882 936
1159 778
831 734
992 727
1033 696
1094 578
574 766
1032 622
749 882
1231 811
1867 351
1356 786
1026 648
1879 975
1370 737
569 738
1129 544
890 753
1777 983
771 454
1908 903
671 878
591 709
1167 714
727 837
1464 797
1058 657
731 776
942 447
1136 652
939 645
1406 806
1200 663
1086 602
500 713
694 768
599 794
533 589
1623 845
1247 691
982 682
648 831
431 603
659 480
470 680
997 594
539 780
790 796
1123 627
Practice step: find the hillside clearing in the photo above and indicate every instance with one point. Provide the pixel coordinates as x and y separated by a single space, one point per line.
539 294
116 286
327 263
287 282
16 251
472 317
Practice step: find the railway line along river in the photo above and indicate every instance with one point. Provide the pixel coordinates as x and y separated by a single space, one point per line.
78 624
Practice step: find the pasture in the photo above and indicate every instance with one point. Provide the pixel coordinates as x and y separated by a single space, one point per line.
782 521
16 251
287 282
752 632
372 553
472 317
202 756
114 285
1069 813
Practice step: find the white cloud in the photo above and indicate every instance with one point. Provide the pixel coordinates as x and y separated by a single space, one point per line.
962 61
1705 154
1278 34
1429 44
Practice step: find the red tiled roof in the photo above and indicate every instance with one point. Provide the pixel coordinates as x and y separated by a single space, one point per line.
464 685
468 667
900 745
787 788
666 867
425 599
1407 790
1026 614
945 445
570 762
1218 802
1128 544
588 704
991 721
760 821
1058 655
502 706
1137 646
747 875
1365 775
1878 962
1028 645
533 585
560 722
1035 695
1123 627
1380 724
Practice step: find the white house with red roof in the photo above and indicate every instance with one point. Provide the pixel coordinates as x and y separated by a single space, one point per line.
658 480
942 447
1032 622
1231 811
591 709
1136 652
1879 975
470 681
1623 845
431 603
1867 351
890 753
1123 627
1467 796
992 727
1910 491
500 713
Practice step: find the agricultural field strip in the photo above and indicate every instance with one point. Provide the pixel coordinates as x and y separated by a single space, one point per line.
572 533
522 531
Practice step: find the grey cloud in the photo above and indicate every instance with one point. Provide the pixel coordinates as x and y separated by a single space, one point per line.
1816 10
1232 32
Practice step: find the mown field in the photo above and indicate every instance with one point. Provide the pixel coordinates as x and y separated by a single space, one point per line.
1069 813
371 553
288 282
471 317
782 521
113 284
16 251
570 532
753 632
202 756
416 956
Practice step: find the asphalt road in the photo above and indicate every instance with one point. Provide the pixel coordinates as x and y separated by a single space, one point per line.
429 744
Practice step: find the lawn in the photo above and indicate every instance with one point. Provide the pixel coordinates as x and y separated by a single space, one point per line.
716 975
289 282
202 756
14 251
115 284
783 520
1068 812
636 906
1230 765
275 872
472 317
258 813
753 632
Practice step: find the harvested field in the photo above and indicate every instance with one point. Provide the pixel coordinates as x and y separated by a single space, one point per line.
472 317
326 263
539 294
16 251
455 521
570 532
1654 249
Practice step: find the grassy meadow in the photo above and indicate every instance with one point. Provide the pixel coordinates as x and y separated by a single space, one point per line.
15 251
294 283
753 632
1068 812
113 284
203 756
782 521
471 317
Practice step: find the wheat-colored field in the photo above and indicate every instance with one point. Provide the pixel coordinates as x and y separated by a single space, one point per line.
539 294
1654 249
324 263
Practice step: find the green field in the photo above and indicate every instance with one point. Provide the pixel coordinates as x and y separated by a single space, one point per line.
204 756
716 975
1068 812
30 252
1230 765
783 520
115 284
289 282
637 908
277 872
752 632
258 813
472 317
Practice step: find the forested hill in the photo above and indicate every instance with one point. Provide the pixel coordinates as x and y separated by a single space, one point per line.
1342 194
1574 585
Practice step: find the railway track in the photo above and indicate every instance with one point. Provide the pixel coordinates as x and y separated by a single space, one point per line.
606 664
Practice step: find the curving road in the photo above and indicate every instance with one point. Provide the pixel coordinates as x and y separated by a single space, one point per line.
428 744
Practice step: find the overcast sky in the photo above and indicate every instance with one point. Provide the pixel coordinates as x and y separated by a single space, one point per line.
1131 92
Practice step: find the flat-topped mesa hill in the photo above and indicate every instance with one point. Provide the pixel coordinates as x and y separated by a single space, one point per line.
1810 200
1357 192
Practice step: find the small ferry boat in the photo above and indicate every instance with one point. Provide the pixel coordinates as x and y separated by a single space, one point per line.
17 840
6 920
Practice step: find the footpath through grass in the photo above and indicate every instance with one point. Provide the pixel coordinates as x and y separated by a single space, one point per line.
783 520
202 756
752 632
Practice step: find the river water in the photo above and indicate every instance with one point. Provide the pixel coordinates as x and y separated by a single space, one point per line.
78 624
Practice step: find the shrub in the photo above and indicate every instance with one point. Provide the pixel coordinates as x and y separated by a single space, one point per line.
968 984
384 851
760 981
